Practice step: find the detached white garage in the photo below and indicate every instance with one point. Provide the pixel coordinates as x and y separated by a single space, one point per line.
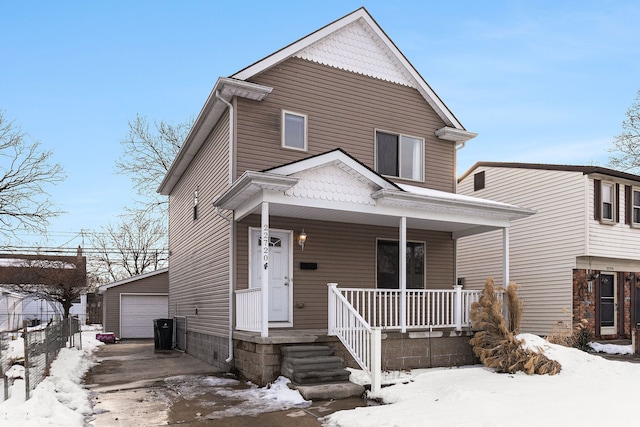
130 305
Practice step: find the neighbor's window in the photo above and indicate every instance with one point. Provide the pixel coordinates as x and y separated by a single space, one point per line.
388 264
608 201
635 206
294 130
478 181
399 155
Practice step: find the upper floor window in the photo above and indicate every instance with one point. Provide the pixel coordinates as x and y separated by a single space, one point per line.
195 204
606 201
635 200
478 181
294 130
400 155
632 202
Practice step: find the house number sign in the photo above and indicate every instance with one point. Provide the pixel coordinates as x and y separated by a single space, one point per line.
265 248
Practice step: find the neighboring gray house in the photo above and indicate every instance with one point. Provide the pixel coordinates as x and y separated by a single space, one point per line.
577 258
331 161
130 305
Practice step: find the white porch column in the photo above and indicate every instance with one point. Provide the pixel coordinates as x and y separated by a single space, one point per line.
402 274
264 235
505 257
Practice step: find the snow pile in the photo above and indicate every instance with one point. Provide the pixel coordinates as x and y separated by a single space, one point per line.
60 399
476 396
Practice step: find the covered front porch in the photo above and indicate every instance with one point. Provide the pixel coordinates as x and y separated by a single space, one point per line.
334 188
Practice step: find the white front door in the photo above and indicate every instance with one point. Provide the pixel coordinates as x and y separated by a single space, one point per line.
280 284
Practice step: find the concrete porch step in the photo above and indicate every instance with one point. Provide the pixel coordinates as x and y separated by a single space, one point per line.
313 363
319 377
300 351
341 390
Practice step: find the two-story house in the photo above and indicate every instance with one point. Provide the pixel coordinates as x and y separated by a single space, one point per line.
577 258
314 198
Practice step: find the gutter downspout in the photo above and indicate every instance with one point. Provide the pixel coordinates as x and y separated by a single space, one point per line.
231 226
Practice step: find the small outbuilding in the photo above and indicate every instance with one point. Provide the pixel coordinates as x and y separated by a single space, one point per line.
130 305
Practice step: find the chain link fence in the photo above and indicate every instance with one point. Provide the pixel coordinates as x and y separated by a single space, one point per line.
41 347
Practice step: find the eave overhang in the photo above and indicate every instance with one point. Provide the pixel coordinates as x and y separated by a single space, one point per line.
209 116
456 135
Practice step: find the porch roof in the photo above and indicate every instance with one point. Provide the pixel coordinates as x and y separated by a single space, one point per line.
335 187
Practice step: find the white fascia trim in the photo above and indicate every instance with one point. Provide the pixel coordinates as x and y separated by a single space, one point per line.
206 121
334 157
478 207
456 135
425 90
251 183
104 287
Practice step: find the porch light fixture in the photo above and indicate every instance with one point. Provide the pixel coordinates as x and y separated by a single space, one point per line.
302 237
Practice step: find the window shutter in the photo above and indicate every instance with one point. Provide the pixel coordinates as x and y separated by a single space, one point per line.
597 199
628 206
616 202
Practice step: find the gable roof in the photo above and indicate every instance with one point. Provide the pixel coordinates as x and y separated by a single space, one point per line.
364 49
106 286
355 43
585 170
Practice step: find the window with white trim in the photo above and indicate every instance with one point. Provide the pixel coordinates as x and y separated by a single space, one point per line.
400 155
294 130
388 264
635 207
608 201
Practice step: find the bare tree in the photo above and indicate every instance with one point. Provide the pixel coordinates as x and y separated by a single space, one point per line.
137 245
58 279
25 171
147 155
626 146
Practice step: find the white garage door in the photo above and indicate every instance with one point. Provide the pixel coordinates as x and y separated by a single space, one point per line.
137 313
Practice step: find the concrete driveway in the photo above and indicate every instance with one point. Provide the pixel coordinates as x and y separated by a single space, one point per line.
133 385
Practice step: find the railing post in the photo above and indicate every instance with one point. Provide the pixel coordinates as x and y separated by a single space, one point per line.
457 306
331 321
376 360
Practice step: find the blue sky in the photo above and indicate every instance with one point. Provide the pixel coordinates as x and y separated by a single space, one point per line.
543 81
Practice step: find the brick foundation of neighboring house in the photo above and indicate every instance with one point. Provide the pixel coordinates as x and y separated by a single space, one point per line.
586 304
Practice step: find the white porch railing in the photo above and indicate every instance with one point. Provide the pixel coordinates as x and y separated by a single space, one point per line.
437 308
249 310
357 316
359 338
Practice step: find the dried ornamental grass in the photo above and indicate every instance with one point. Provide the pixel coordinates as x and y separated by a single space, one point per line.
496 345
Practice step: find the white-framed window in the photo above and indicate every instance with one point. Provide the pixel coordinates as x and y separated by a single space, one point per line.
294 130
388 264
635 206
400 155
608 201
195 204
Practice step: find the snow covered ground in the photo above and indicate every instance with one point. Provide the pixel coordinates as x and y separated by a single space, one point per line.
589 391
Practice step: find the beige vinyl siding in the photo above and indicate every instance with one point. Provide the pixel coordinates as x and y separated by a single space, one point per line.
344 110
619 240
199 259
543 247
157 284
345 254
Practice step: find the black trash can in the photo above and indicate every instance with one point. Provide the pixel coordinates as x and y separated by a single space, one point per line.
163 334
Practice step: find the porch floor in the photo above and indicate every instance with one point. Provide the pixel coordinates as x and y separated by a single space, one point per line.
285 336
